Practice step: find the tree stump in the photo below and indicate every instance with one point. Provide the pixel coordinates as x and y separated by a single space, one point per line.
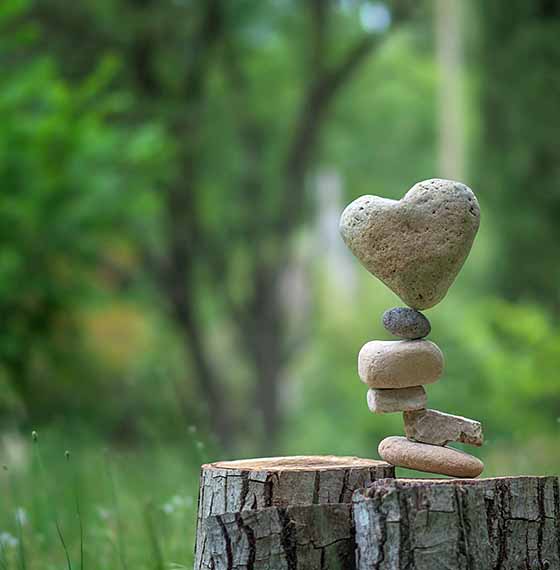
285 512
509 523
318 513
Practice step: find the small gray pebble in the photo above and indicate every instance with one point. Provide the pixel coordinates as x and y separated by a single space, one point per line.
406 323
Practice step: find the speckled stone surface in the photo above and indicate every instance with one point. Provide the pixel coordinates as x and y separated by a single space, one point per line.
398 400
439 428
400 363
416 245
401 452
405 322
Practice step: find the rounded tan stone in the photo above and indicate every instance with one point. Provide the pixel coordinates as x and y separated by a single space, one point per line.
400 363
401 452
416 245
387 400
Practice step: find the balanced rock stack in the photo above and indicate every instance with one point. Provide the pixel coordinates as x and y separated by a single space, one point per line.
416 246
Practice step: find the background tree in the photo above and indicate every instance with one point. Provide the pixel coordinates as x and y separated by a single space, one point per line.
518 168
230 211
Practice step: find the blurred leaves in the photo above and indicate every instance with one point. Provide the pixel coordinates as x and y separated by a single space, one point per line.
98 130
73 183
88 157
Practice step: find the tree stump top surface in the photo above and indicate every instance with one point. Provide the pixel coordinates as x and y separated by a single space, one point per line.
297 463
411 481
392 483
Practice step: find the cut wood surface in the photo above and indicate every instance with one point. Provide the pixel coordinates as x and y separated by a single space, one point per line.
281 512
508 523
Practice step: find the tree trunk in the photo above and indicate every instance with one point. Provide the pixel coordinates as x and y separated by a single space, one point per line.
263 339
210 389
449 23
268 372
487 524
295 513
519 118
288 512
268 366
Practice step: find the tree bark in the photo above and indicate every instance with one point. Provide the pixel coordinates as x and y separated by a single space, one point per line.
315 513
287 512
314 537
505 523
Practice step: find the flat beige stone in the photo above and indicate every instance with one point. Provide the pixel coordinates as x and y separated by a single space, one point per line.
401 452
400 363
386 401
439 428
416 245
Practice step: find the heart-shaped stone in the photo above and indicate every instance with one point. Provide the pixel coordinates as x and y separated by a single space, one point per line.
416 245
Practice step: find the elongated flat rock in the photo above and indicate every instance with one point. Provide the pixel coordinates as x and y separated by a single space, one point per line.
401 452
416 245
400 363
386 401
439 428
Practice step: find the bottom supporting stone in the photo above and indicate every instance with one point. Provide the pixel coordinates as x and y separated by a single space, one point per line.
401 452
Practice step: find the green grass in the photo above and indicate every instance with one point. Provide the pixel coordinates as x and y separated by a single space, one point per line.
95 508
70 503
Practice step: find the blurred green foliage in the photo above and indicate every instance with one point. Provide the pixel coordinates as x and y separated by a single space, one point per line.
96 153
75 193
516 155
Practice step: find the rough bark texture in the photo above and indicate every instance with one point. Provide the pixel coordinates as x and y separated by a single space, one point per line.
312 537
287 512
318 513
488 524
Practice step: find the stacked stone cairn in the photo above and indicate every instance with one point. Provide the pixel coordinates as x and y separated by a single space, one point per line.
416 246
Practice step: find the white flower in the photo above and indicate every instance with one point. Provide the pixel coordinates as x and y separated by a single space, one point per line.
182 502
21 516
168 508
103 513
6 539
177 502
